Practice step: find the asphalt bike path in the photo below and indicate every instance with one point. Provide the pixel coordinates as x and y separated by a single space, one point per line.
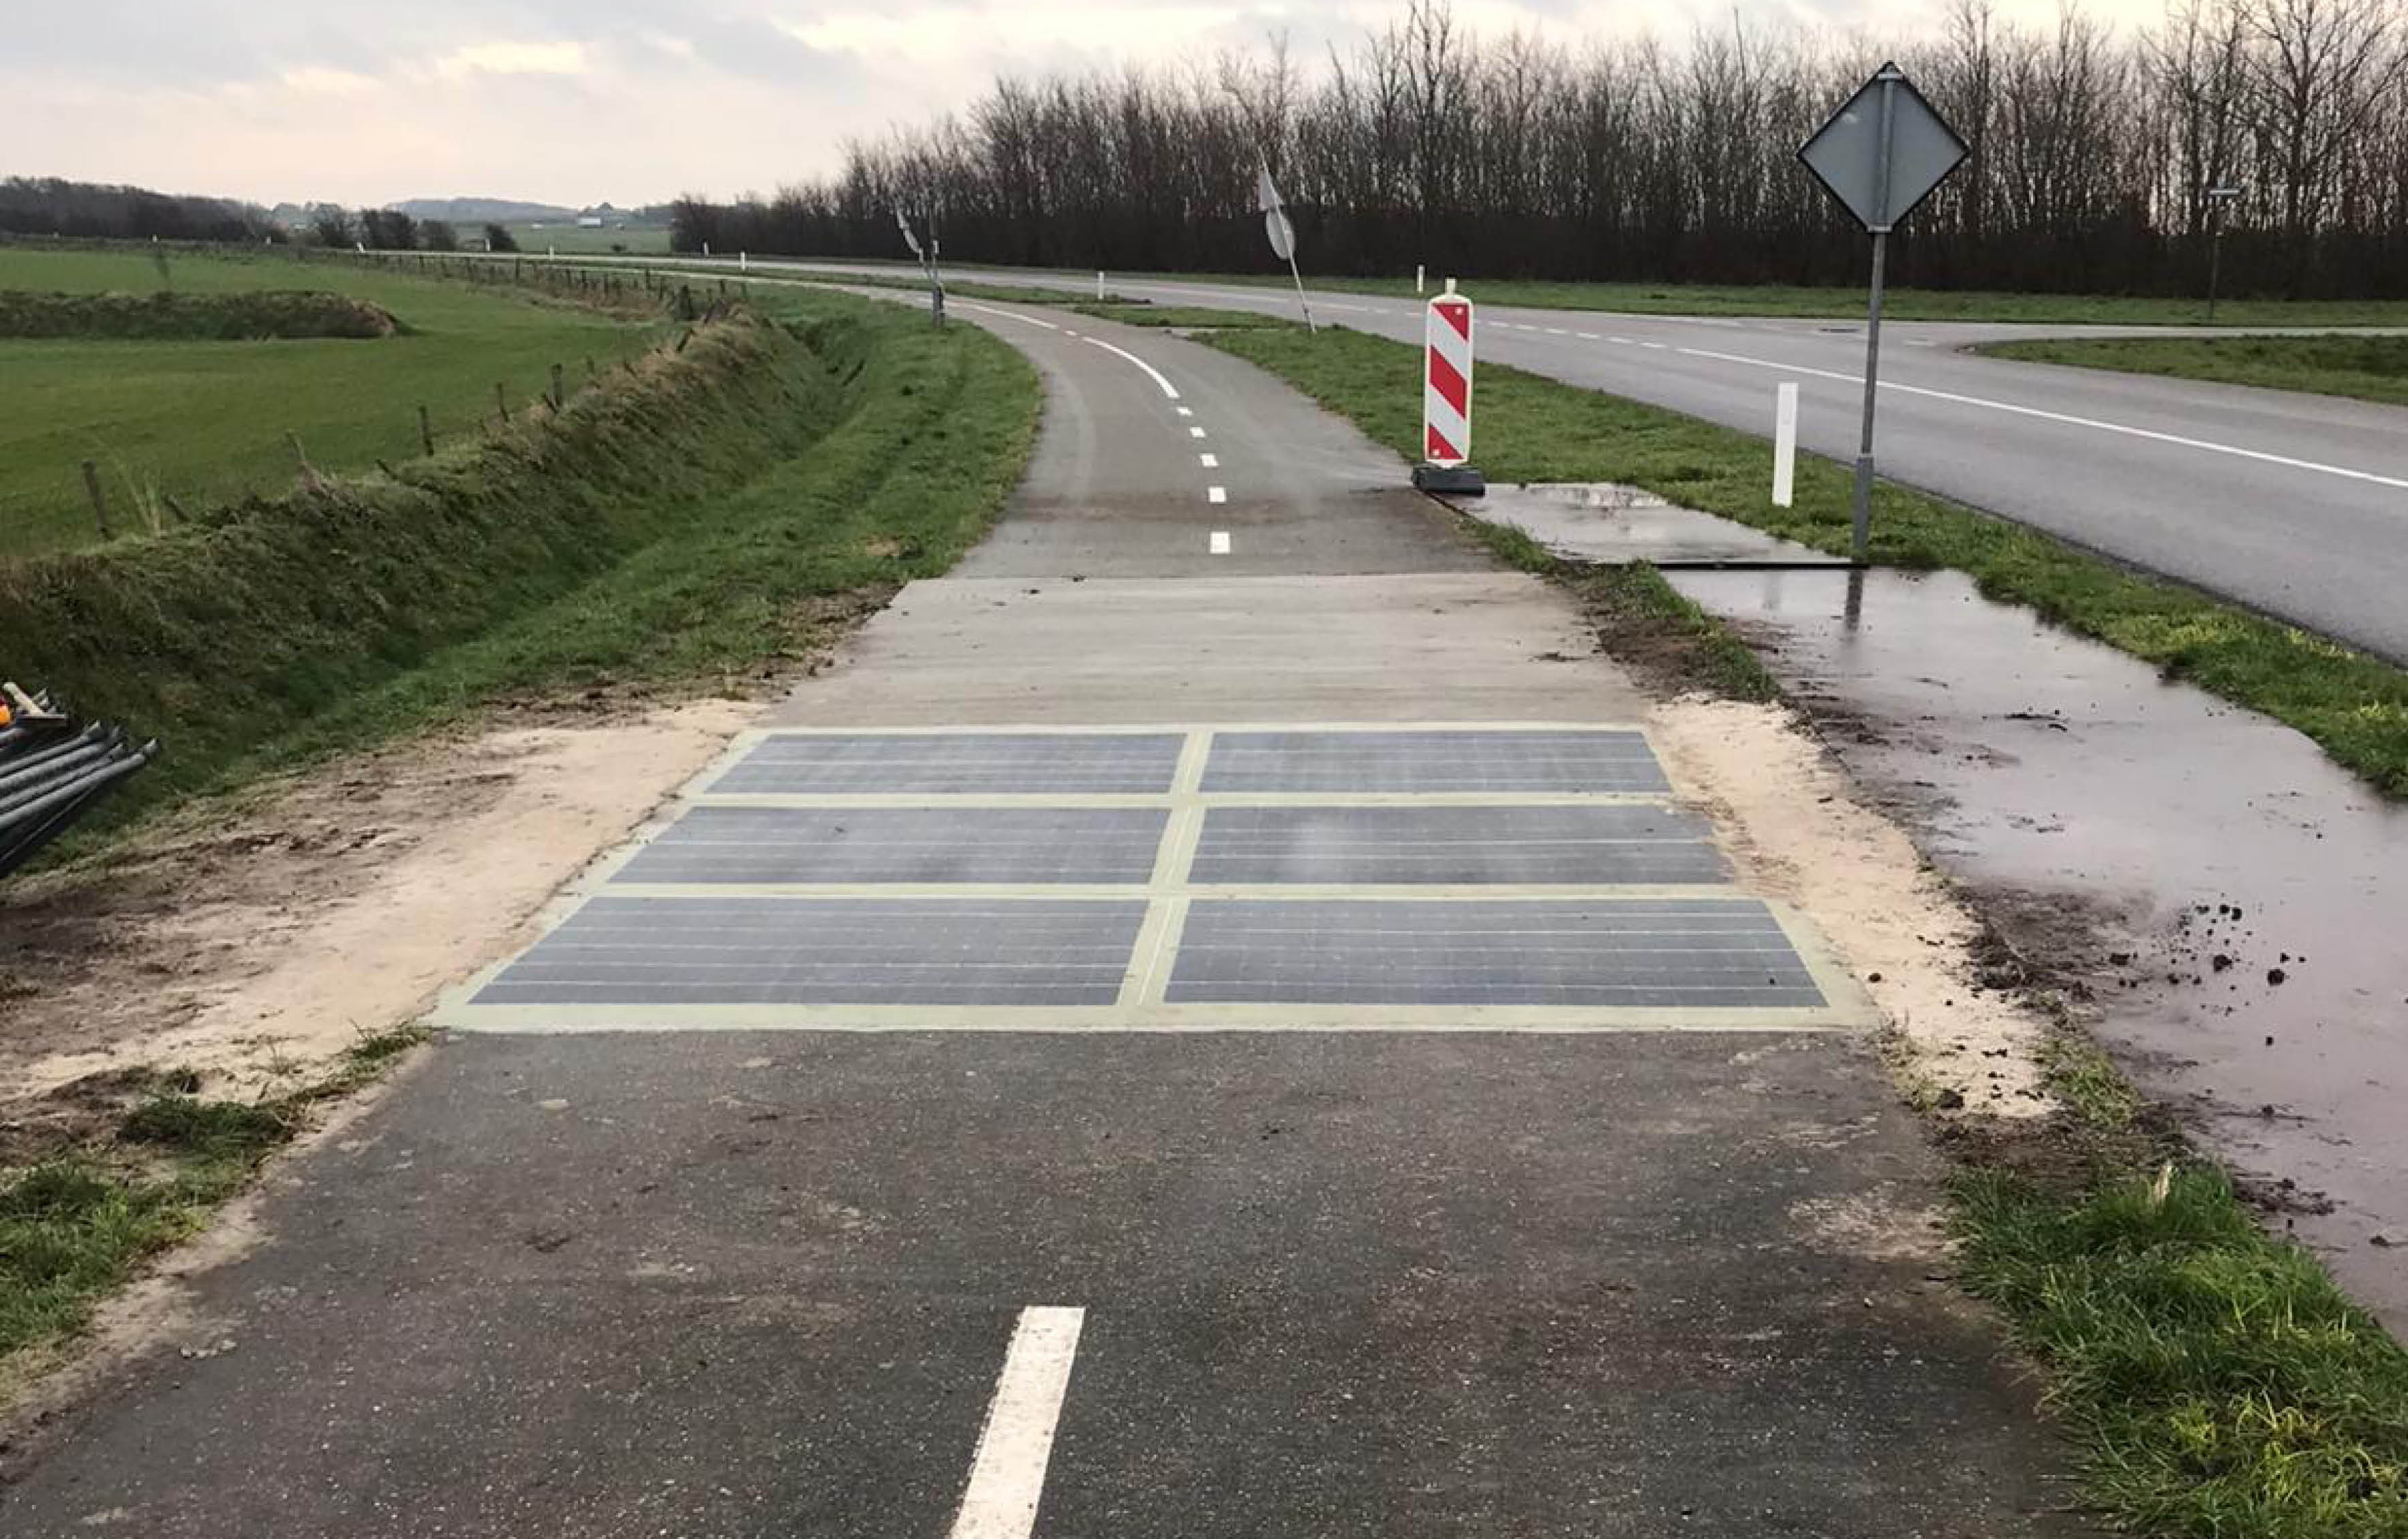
1206 1020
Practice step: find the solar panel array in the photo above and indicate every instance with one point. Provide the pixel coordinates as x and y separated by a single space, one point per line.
1152 873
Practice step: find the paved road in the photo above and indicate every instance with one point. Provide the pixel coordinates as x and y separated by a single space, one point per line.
1298 1274
2295 504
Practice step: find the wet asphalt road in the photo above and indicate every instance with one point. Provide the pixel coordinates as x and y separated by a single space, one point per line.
2295 504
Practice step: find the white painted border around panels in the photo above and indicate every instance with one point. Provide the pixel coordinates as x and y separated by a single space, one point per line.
1140 1006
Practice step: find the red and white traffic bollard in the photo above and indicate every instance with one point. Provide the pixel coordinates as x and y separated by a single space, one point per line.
1446 399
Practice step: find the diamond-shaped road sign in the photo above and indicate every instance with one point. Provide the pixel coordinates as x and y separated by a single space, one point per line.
1882 186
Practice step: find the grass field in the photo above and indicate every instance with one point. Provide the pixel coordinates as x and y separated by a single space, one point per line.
570 240
2372 369
205 421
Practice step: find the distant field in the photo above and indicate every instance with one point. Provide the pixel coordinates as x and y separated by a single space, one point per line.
205 421
2372 369
650 240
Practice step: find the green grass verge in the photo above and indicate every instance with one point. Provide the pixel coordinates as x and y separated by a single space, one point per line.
79 1222
2372 369
2215 1383
1196 316
670 525
205 421
2353 706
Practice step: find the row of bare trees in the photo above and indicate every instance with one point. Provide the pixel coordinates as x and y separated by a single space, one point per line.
2094 155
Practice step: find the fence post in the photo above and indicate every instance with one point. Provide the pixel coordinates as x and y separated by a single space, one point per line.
501 404
558 397
425 433
99 503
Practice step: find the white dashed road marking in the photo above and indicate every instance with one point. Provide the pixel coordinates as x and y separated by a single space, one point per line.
1211 462
1220 543
1194 432
1216 494
1008 1473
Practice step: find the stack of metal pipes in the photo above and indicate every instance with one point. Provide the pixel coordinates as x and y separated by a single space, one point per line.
53 769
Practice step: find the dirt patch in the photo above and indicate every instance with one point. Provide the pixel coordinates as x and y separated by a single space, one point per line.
1795 828
251 942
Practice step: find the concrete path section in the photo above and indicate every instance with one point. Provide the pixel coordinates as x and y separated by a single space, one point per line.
695 1278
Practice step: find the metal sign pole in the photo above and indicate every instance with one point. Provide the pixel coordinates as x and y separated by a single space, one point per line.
1861 536
1301 303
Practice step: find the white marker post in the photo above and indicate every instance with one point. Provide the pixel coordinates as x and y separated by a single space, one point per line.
1784 442
1099 285
1420 281
743 261
1446 399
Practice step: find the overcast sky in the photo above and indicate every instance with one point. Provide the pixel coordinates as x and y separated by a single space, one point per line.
633 101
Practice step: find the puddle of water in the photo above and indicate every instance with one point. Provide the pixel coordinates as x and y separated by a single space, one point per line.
1613 526
2129 817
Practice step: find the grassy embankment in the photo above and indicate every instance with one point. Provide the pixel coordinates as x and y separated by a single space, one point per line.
2372 369
2216 1383
665 524
205 421
674 524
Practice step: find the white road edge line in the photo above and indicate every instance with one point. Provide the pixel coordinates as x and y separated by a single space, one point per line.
1185 411
2069 420
1007 314
1216 494
1008 1473
1168 388
1220 543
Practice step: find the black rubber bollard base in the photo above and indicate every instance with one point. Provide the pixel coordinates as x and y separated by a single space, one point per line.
1449 480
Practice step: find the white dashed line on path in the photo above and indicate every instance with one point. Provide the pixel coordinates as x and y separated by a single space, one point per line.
1007 1472
1194 432
1211 462
1216 494
1220 543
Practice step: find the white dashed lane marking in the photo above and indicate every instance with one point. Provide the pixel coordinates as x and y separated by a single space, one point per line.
1216 494
1220 543
1007 1472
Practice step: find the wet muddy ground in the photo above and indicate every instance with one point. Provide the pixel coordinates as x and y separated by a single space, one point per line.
2229 901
